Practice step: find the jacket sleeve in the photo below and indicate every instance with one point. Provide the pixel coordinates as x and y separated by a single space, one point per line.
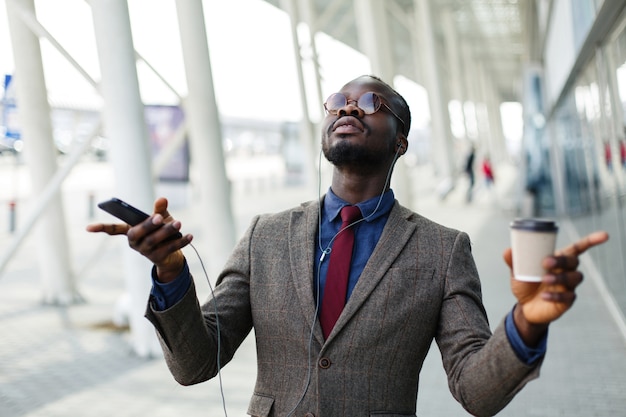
484 373
192 336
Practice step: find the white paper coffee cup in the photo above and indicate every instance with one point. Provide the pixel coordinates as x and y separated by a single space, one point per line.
531 241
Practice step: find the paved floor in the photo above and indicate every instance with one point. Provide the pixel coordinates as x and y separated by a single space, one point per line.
72 362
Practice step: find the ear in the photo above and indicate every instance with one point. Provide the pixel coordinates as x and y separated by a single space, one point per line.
402 144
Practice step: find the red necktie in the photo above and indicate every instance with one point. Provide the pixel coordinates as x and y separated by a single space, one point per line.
338 271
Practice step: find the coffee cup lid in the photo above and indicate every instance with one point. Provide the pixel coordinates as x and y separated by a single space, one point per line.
538 225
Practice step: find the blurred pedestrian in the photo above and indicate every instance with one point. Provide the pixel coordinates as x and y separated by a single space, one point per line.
469 171
487 171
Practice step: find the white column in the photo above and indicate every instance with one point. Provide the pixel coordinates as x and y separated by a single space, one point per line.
498 146
125 127
205 133
490 128
58 281
376 45
311 19
471 91
485 134
310 144
453 57
441 133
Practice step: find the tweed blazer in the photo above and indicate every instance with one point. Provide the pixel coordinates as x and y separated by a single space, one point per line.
420 284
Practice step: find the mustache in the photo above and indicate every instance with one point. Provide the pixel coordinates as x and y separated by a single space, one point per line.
342 120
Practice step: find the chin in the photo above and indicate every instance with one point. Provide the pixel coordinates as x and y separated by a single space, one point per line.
349 153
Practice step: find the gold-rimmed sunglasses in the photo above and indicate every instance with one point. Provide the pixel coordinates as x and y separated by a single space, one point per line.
369 103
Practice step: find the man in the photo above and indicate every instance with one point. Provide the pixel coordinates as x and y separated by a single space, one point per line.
409 280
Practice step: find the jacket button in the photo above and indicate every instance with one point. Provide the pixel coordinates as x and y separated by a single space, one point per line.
309 415
324 363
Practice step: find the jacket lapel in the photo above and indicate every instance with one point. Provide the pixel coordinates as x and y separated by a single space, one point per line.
302 237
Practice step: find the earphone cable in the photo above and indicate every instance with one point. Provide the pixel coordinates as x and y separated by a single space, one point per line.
217 325
364 218
324 252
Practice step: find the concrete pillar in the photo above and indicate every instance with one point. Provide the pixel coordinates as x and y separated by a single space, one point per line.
311 19
442 135
376 46
471 92
124 124
453 56
490 126
375 43
485 135
498 146
205 133
58 281
310 144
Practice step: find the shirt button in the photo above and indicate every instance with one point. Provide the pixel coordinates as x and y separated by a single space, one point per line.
324 363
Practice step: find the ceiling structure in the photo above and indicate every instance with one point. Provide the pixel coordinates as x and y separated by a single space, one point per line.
496 33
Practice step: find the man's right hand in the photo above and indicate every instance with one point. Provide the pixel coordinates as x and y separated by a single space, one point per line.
153 239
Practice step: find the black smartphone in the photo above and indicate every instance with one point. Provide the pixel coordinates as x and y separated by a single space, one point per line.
127 213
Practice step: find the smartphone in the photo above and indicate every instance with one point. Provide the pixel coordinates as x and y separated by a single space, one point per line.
127 213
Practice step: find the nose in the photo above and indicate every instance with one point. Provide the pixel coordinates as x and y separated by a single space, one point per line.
351 109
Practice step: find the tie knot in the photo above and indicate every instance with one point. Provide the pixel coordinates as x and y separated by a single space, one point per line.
350 214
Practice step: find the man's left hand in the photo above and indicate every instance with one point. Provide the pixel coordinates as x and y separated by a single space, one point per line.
540 303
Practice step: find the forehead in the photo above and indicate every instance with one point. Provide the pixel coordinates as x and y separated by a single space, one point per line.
364 84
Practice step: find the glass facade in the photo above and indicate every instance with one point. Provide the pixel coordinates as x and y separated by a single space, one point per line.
587 133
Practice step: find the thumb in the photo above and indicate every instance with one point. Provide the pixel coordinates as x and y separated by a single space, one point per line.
507 255
160 206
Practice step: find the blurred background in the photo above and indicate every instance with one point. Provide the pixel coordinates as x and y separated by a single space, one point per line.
216 104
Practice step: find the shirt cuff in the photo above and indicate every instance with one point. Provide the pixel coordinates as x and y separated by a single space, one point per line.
526 354
165 295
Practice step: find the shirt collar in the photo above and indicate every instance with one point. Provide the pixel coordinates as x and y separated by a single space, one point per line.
334 204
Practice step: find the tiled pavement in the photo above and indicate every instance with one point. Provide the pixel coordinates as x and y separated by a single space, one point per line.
70 362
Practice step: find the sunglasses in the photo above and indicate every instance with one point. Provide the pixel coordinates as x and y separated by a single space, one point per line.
369 103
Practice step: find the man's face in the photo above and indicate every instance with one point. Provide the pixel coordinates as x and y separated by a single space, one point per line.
351 137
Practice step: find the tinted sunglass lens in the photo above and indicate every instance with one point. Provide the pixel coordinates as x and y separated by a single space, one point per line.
369 103
335 102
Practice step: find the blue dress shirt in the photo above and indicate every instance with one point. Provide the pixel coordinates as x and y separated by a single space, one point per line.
366 235
375 212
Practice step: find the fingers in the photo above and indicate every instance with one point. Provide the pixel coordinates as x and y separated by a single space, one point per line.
153 231
160 245
158 237
110 229
160 207
560 263
589 241
562 297
567 259
568 280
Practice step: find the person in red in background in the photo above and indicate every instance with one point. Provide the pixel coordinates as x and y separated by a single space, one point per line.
608 158
622 152
487 171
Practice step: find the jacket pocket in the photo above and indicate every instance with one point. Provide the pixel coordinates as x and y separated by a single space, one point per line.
260 405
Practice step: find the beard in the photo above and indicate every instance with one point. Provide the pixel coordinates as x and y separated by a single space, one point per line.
347 153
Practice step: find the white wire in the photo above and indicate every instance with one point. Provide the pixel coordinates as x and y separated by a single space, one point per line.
217 325
317 290
319 267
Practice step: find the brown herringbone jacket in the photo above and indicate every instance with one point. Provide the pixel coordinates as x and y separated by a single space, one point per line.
420 283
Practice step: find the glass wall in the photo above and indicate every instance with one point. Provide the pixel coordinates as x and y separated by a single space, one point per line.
588 133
